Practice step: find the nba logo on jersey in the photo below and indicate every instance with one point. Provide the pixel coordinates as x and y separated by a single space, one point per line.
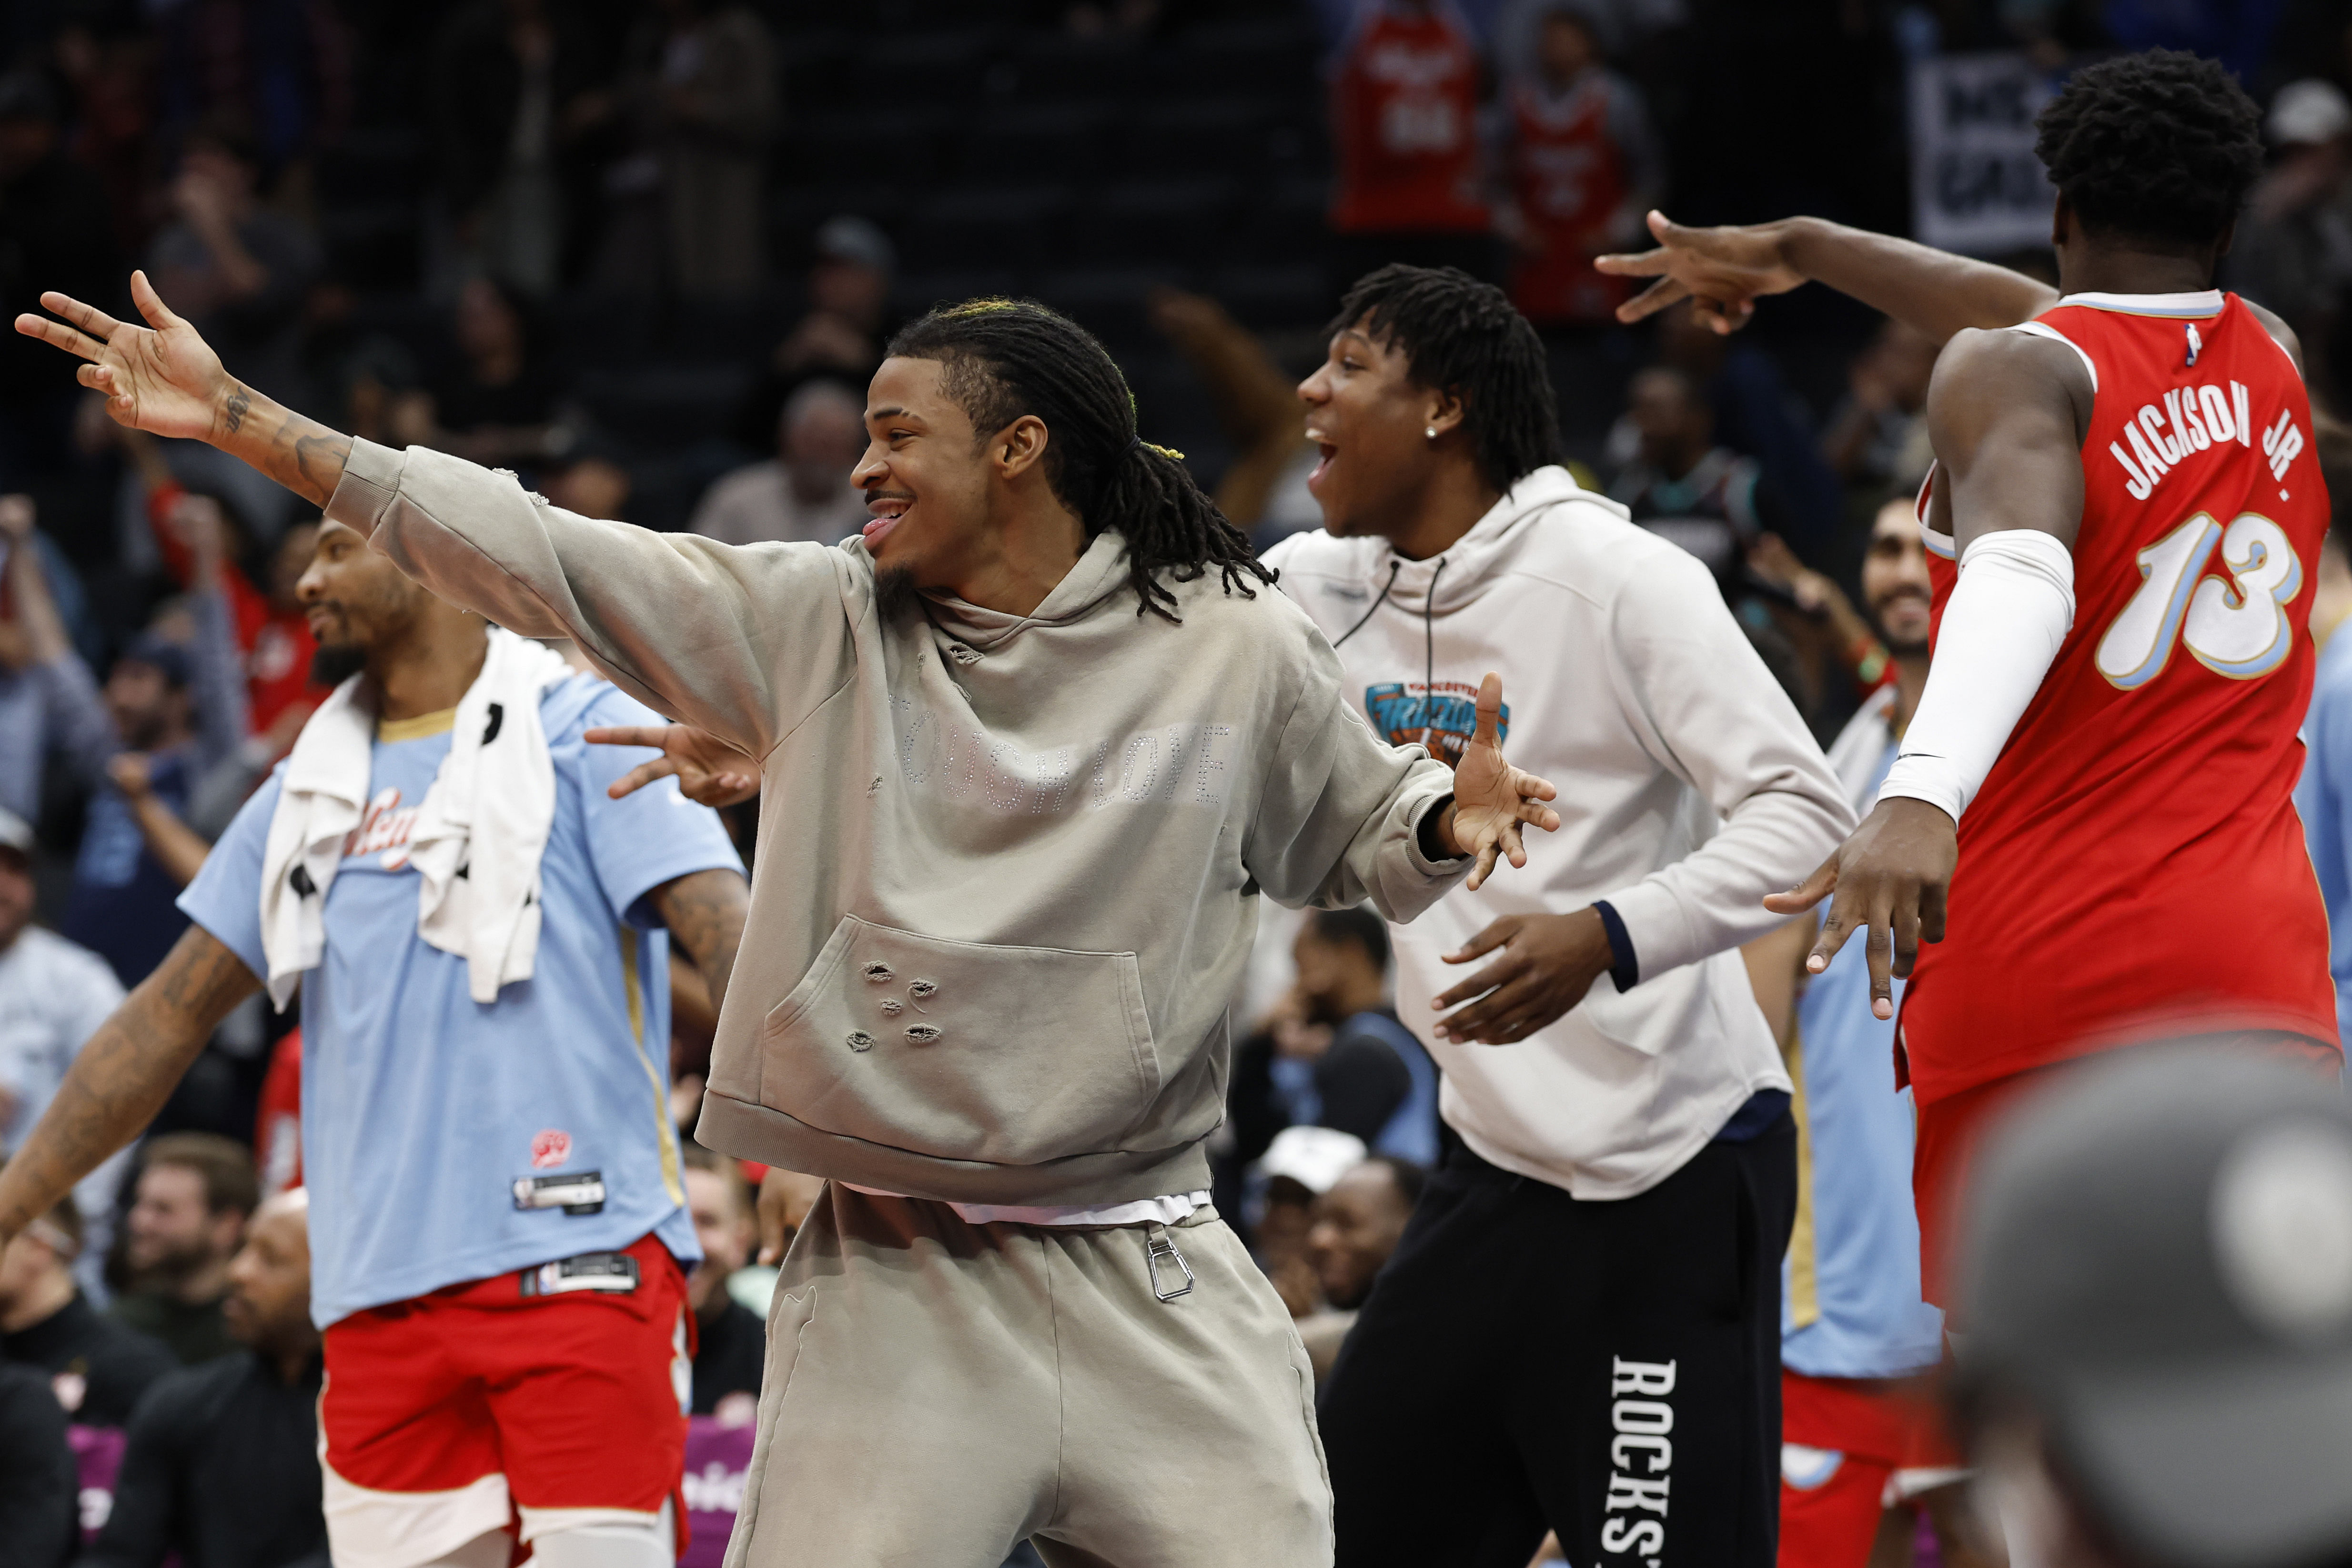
550 1149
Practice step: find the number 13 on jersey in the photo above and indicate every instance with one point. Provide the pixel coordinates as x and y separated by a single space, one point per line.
2238 628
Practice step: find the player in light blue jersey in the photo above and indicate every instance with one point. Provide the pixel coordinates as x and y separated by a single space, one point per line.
481 938
1861 1435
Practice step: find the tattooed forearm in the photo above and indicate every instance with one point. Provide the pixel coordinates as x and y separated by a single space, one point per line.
297 452
124 1075
704 911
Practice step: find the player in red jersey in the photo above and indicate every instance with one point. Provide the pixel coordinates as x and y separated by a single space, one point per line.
2090 816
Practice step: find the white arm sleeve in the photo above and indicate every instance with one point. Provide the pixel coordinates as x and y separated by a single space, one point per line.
2008 614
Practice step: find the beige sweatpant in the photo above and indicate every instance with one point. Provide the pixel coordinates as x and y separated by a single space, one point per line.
936 1391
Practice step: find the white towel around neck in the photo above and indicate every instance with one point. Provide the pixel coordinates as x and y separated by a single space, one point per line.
481 830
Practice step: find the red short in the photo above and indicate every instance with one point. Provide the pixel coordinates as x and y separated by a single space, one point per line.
480 1407
1952 1129
1850 1449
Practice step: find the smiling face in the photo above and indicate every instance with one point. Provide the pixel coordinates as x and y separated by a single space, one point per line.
926 474
1370 420
1894 588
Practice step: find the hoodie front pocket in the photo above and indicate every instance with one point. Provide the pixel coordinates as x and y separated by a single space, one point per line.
963 1050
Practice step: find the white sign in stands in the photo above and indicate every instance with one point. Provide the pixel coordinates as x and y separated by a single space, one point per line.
1976 185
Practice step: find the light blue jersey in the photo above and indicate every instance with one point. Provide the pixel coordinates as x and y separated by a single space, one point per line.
423 1109
1850 1303
2325 798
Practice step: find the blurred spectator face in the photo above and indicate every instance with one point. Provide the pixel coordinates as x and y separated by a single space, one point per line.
1354 1231
1902 361
352 597
25 140
1333 977
724 1225
269 1300
289 561
819 440
147 707
854 290
221 170
1367 416
29 1270
1565 48
1677 426
16 895
593 487
1894 588
172 1230
486 326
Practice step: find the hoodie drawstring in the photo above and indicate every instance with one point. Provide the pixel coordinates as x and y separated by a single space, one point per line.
1394 567
1428 655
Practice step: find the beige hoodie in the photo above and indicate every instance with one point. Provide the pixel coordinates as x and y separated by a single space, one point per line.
1009 866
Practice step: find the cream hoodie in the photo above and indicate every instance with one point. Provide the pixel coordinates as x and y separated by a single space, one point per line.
1009 866
1688 789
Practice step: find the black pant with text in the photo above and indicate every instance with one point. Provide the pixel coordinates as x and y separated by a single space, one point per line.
1608 1370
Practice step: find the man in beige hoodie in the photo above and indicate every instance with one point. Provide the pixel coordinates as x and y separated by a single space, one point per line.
1032 748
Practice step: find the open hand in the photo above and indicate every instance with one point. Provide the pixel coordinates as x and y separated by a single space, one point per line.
1891 877
1491 797
1548 963
162 378
1722 271
708 771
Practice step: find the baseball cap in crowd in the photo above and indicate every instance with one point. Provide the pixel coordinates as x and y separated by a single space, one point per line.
2306 113
2157 1266
16 834
159 652
849 238
1314 1157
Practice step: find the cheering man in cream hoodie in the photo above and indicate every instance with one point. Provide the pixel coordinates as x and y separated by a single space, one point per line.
1032 747
1599 1267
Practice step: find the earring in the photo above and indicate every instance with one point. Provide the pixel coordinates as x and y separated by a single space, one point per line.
1430 432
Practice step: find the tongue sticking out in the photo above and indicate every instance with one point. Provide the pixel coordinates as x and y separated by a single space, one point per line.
875 527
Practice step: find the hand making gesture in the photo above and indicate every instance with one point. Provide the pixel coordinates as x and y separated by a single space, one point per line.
708 771
1491 797
164 379
1722 271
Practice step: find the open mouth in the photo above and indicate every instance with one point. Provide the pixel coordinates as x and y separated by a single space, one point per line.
1322 465
887 511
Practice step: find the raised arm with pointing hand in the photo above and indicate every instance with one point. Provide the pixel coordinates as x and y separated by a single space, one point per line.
164 379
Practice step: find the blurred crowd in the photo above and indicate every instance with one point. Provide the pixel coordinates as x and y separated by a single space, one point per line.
613 170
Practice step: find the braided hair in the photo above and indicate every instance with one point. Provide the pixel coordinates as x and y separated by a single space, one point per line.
1007 358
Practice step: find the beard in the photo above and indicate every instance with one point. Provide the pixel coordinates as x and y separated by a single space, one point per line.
895 594
335 663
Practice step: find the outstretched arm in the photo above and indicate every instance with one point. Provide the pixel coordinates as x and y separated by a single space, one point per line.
2006 412
768 633
1724 271
122 1076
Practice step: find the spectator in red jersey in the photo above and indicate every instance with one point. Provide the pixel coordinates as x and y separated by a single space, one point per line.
1406 80
202 540
1580 164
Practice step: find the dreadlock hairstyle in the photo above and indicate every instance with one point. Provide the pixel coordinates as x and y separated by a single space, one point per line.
1461 337
1007 358
2157 146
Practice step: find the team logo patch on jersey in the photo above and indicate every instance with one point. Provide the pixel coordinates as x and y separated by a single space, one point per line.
550 1149
1441 716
